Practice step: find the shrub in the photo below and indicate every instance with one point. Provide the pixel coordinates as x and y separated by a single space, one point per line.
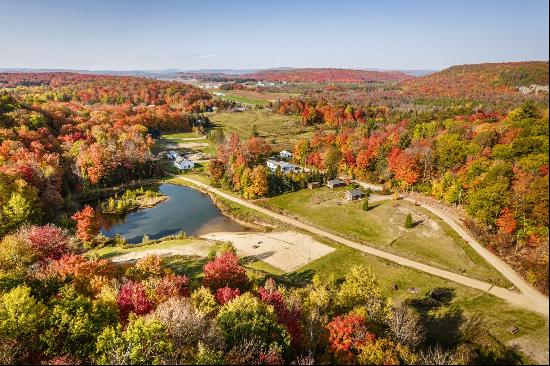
49 241
142 342
246 318
204 301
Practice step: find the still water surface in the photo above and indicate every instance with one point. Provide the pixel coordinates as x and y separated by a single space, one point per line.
185 210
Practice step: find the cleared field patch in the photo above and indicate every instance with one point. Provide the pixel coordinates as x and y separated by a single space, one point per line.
287 250
254 97
183 136
281 131
430 240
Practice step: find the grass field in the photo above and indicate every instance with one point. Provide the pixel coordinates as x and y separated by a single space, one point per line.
441 322
255 98
430 241
282 132
181 135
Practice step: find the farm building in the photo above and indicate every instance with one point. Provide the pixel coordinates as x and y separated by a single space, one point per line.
354 194
313 185
183 164
334 183
285 154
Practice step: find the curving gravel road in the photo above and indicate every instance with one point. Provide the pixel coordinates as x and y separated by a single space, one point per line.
529 298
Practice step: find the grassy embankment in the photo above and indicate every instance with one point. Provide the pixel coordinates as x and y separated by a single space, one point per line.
430 241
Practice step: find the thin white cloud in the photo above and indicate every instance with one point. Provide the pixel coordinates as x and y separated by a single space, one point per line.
206 56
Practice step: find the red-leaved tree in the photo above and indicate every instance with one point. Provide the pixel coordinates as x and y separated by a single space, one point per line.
289 316
226 294
172 286
507 222
49 241
132 298
225 271
346 336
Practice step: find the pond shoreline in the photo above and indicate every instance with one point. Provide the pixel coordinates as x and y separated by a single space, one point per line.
185 210
255 223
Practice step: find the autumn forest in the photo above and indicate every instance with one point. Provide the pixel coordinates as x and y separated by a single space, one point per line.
470 139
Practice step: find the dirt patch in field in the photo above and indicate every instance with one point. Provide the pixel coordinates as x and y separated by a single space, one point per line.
286 250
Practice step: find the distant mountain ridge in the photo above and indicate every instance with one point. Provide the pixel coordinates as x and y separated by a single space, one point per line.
327 75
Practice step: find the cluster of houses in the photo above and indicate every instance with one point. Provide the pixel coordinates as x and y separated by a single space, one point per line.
278 162
180 162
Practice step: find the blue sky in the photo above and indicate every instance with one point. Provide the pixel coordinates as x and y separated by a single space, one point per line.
391 34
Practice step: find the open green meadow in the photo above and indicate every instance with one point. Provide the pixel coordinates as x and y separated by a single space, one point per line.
430 241
281 131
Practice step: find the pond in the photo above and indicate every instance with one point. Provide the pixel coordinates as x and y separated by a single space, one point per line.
186 210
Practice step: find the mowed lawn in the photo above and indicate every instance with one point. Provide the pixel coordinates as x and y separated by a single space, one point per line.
430 241
441 321
282 132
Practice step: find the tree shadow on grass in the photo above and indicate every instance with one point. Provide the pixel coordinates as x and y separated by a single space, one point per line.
374 205
186 265
297 279
442 324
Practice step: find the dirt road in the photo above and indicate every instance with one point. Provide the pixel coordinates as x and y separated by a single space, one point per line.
525 300
492 259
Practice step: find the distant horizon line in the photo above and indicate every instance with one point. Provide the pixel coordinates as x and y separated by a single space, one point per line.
240 70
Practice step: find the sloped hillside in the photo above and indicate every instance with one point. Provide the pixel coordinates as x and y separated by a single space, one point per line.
479 80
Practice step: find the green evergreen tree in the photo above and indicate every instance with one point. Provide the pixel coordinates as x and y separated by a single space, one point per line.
366 204
409 221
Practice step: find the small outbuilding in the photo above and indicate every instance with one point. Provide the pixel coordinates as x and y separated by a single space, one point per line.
512 329
334 183
354 194
313 185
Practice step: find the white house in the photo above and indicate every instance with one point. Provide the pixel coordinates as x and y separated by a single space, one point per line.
285 154
172 155
285 167
183 164
272 164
